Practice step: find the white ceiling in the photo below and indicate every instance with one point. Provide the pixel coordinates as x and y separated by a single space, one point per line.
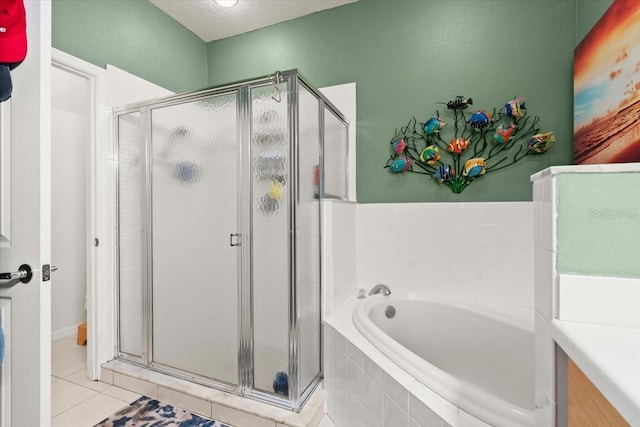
210 21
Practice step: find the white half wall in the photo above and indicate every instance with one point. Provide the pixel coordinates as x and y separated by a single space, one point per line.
472 252
339 269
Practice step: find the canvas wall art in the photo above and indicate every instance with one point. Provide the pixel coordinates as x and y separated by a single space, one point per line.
607 88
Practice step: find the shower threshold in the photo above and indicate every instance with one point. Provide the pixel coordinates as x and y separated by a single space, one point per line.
208 402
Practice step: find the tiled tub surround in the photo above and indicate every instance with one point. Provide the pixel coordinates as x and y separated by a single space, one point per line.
477 253
479 361
209 402
365 388
465 251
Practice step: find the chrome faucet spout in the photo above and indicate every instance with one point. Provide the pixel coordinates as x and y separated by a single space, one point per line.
380 289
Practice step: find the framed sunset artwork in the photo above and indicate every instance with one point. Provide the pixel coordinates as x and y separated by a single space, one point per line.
606 83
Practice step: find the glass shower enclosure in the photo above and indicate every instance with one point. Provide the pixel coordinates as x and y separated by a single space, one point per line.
219 234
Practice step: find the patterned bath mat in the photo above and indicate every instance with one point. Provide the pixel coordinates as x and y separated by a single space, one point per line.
147 412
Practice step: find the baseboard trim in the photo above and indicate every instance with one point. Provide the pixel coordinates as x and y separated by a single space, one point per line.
64 333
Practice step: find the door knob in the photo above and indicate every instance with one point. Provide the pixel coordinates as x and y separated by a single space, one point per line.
24 274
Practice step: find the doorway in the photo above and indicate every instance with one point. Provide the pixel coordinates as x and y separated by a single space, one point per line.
70 168
70 223
76 98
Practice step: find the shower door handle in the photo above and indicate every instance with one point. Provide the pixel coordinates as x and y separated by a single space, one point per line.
234 239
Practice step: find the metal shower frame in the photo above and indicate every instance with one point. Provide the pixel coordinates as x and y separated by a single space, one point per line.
298 393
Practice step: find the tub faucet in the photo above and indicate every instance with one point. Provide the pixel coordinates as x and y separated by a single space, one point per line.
380 289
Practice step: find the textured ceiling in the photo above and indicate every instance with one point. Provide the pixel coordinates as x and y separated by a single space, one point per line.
210 21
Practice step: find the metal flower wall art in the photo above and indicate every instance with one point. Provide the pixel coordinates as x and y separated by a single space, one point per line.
482 142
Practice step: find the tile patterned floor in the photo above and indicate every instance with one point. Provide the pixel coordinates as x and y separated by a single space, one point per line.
75 400
78 402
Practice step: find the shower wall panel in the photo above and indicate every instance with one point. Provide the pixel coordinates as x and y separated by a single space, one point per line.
131 170
335 156
308 237
270 186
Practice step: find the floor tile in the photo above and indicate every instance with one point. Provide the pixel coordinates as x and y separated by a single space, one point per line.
65 395
89 413
77 401
69 362
80 378
122 394
63 346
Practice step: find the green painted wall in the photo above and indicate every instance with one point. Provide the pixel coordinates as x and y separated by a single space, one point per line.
133 35
599 229
406 55
588 13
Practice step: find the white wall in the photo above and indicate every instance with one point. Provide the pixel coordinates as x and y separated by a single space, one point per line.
126 88
339 270
476 252
69 186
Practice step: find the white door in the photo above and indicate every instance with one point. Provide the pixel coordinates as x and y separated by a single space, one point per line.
25 226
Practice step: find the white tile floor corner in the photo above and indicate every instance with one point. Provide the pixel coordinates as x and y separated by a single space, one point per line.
79 402
75 400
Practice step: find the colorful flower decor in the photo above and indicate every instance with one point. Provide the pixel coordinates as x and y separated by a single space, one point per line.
488 142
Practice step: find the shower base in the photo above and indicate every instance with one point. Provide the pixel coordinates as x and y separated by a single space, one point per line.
211 403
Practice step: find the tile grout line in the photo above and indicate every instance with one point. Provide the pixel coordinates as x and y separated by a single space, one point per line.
125 403
79 403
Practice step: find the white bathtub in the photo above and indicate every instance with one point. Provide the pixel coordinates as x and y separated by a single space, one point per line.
475 360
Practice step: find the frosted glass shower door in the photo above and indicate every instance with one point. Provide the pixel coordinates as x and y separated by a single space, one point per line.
195 205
